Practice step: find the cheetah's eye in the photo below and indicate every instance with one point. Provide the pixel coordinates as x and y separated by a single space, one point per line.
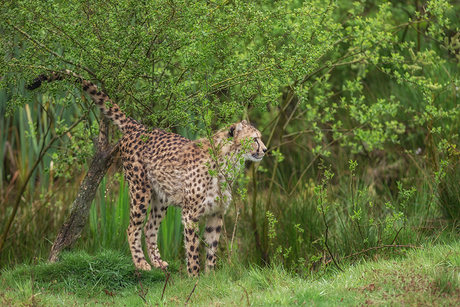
255 139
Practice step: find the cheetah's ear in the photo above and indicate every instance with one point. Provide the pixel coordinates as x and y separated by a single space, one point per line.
244 121
231 132
234 129
239 127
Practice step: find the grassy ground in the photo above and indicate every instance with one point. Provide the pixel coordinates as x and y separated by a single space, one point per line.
429 276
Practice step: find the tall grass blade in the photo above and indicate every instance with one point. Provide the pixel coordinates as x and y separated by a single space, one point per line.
170 234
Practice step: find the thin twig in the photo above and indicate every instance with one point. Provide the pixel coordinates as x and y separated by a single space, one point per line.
164 288
38 44
163 268
329 250
141 292
246 292
191 292
234 230
396 236
380 247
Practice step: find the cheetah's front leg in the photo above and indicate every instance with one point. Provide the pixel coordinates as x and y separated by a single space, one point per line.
192 243
211 235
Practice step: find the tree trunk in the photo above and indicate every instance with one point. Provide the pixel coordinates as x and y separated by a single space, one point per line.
78 215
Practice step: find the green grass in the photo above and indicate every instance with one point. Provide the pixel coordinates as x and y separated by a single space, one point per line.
426 276
82 274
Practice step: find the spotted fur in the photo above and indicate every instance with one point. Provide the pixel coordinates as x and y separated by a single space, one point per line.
164 169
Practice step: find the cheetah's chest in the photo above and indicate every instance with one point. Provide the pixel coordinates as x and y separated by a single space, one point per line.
216 200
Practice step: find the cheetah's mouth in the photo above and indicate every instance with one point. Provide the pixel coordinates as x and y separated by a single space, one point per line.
256 158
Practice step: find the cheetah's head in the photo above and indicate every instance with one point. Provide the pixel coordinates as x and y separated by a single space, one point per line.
250 139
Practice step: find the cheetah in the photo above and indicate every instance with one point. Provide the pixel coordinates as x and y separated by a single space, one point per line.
164 169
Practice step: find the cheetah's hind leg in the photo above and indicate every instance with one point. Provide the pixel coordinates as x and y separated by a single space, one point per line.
157 213
140 198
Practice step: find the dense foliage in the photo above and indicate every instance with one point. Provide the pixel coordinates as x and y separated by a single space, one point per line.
357 102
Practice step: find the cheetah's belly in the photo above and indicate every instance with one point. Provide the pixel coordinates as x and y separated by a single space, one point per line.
167 184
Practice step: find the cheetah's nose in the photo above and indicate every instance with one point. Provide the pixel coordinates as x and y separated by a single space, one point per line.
265 150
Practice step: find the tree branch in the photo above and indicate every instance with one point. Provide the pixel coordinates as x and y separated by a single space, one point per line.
37 43
78 215
380 247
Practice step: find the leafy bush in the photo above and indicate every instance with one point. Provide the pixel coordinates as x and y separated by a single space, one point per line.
375 83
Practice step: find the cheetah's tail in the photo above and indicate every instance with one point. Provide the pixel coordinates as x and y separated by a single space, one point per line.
107 106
